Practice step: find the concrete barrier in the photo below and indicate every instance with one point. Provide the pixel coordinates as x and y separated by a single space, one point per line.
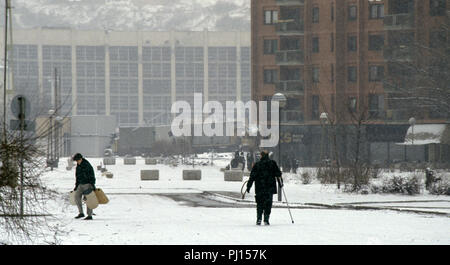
231 175
150 161
70 162
129 161
192 174
150 174
109 161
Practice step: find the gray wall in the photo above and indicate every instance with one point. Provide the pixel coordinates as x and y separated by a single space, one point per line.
92 134
380 152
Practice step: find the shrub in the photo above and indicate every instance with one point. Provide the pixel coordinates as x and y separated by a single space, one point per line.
357 178
441 187
398 184
306 177
327 175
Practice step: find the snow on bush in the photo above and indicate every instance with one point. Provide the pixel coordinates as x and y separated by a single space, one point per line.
410 184
302 176
327 175
442 186
306 177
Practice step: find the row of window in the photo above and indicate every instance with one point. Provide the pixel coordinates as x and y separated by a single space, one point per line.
293 110
376 11
375 107
128 53
376 74
376 43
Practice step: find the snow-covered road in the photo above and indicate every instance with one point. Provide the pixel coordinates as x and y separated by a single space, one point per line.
163 212
210 212
154 219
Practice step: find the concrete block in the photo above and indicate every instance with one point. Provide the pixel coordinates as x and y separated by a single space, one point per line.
192 174
129 161
109 161
230 175
70 162
150 174
150 161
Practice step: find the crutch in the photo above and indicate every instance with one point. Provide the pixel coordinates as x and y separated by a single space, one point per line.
244 189
282 189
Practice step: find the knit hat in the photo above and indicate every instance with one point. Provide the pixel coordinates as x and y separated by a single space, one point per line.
77 156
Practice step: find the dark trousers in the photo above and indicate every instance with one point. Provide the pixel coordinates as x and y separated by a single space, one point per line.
263 205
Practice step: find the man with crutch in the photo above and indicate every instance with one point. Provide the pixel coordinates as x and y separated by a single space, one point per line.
264 173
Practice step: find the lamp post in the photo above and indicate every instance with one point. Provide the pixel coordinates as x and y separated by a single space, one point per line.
323 121
412 122
51 112
58 122
281 99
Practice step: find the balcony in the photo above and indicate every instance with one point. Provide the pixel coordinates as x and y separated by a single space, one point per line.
398 53
291 57
290 87
399 21
290 2
290 27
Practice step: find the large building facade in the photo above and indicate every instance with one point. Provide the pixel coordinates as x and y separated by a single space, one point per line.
135 76
334 56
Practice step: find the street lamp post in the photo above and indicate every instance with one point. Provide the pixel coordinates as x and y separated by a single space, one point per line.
58 122
323 121
412 122
281 99
51 112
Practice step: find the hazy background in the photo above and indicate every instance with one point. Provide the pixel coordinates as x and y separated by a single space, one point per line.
151 15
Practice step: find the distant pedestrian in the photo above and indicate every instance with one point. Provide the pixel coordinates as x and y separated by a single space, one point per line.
265 173
85 181
250 160
238 162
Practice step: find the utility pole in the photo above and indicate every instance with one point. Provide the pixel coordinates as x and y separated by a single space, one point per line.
7 7
22 120
57 117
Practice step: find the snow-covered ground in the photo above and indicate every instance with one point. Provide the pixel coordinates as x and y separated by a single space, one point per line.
143 212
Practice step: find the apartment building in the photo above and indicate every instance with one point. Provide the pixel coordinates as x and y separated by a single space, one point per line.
335 57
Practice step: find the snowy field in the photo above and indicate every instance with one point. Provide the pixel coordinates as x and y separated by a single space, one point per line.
144 212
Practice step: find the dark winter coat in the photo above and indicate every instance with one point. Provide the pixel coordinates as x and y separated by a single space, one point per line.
84 173
264 174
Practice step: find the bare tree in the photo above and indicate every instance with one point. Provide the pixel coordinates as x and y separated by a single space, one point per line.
24 216
332 120
346 124
359 169
419 72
